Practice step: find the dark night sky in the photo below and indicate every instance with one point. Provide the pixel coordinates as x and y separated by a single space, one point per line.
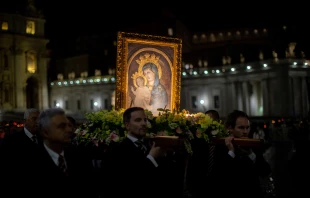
64 19
213 16
198 18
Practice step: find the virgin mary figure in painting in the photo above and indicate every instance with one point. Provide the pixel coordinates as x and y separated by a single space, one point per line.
148 91
159 97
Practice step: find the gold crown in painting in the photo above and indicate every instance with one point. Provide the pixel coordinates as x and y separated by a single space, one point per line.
148 58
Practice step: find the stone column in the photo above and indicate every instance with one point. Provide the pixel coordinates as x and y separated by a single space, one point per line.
297 95
291 98
281 91
246 98
259 98
232 98
255 99
304 96
43 61
239 96
265 96
19 71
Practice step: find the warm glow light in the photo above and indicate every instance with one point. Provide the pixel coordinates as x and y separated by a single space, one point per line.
31 70
4 26
31 63
30 27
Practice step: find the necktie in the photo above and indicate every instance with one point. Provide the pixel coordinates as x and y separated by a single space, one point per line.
61 164
141 146
34 139
211 159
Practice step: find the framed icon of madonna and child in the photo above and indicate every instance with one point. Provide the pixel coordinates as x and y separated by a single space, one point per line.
148 72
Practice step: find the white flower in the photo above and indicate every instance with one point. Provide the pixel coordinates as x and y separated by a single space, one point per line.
214 132
80 131
77 131
83 132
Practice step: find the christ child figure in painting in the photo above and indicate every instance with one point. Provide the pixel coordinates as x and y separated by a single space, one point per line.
142 94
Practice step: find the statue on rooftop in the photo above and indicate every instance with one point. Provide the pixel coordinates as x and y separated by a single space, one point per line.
242 59
224 61
261 55
275 55
291 48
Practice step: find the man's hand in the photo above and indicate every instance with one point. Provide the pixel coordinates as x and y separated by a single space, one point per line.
228 143
155 151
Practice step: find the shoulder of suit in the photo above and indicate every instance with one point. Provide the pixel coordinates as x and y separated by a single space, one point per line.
15 135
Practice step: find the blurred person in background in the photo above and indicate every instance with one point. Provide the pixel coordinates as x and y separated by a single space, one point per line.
22 142
18 150
2 134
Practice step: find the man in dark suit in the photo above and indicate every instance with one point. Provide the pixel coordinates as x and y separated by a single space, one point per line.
17 148
28 137
238 169
60 165
200 171
132 167
235 171
57 168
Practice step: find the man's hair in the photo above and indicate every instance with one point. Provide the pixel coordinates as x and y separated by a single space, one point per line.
213 114
127 113
233 116
46 116
29 111
72 120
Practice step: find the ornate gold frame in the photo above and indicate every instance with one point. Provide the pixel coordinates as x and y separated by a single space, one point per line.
132 50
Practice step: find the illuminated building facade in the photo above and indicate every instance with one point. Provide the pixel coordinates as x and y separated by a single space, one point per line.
221 70
23 61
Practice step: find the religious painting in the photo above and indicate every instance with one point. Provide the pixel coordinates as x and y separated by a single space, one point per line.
148 73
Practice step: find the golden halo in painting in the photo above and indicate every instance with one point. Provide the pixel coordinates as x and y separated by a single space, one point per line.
147 58
135 76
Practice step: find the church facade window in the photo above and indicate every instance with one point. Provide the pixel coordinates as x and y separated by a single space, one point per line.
31 62
4 25
30 27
